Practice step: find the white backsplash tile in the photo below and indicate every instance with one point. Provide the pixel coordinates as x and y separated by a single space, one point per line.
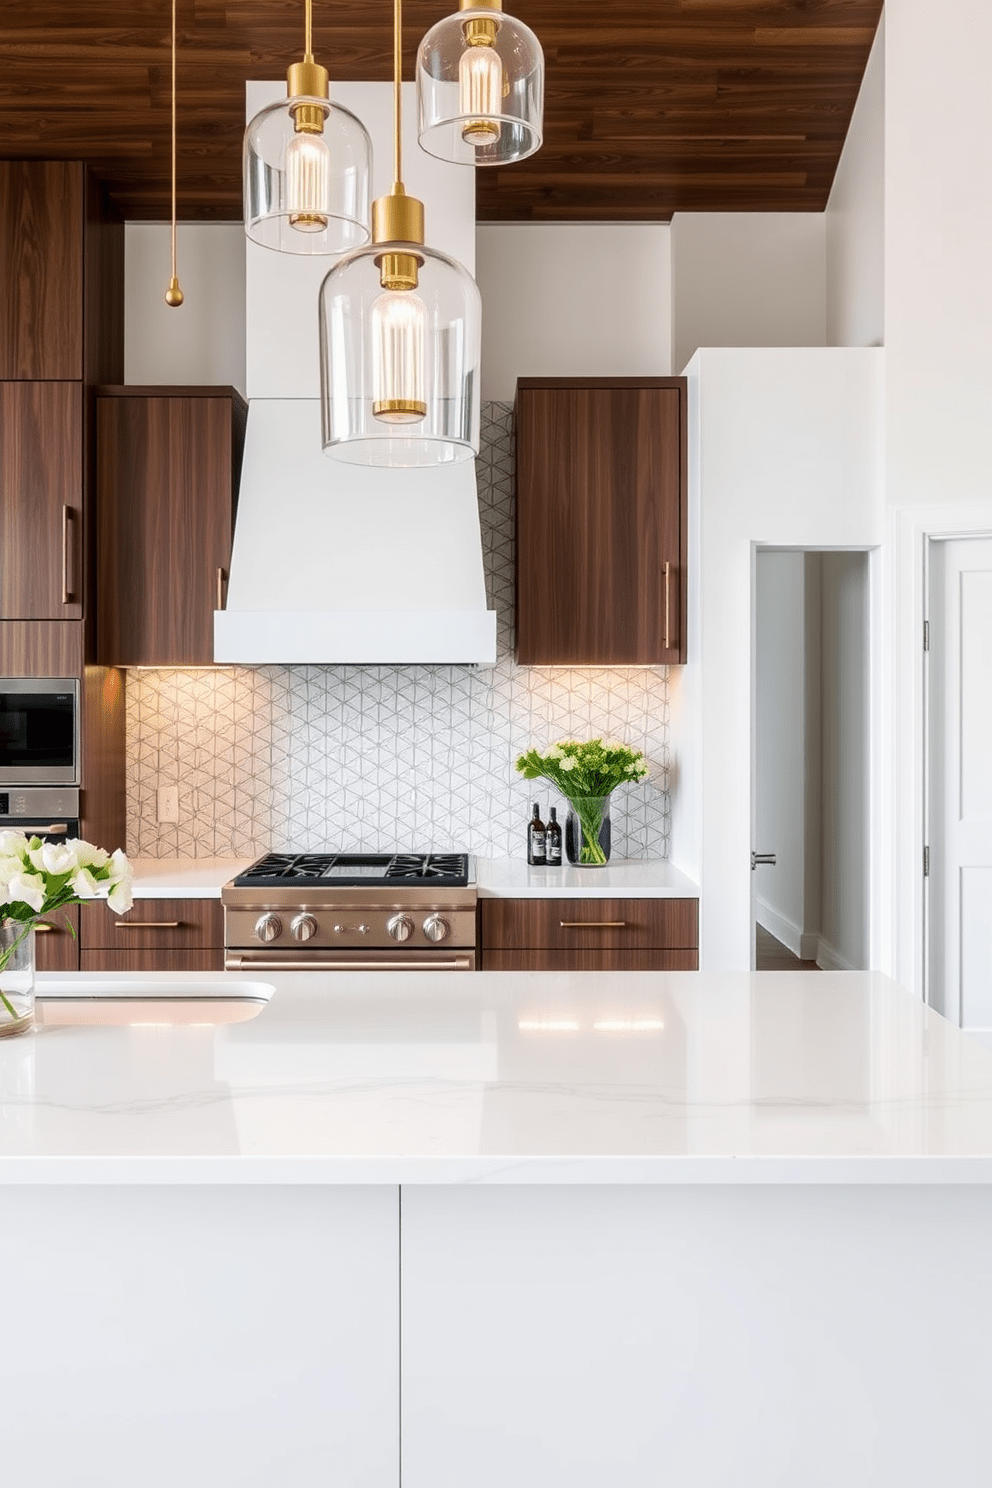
375 758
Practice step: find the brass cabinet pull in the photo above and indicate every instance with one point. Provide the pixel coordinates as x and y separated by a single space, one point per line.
67 593
668 635
221 581
592 924
43 928
147 924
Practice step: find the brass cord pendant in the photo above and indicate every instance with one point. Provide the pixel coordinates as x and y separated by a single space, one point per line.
174 295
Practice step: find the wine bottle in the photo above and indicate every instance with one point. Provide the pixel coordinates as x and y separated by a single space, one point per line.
552 840
537 853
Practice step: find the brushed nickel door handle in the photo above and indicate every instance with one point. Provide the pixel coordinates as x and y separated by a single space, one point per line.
147 924
592 924
762 860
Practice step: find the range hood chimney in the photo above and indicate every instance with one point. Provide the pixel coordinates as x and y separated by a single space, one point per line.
336 564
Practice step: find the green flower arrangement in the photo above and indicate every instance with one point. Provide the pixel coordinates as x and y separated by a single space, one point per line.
586 772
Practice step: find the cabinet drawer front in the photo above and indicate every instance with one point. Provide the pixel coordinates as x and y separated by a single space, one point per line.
155 960
551 960
590 924
167 924
55 946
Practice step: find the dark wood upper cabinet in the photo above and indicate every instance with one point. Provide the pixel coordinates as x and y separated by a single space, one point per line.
41 269
601 521
41 515
62 271
168 466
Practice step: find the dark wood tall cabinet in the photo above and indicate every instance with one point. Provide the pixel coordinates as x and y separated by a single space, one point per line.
601 521
41 269
41 513
168 466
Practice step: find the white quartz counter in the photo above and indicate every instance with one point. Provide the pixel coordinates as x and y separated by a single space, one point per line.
508 1078
622 878
498 878
184 878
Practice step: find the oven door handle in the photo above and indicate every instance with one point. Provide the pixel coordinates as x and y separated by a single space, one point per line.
36 829
279 963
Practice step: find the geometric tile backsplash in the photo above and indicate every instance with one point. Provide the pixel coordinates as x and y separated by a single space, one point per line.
375 758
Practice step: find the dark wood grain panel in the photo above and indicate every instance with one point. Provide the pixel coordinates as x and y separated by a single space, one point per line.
41 478
102 806
560 960
41 269
588 924
151 960
166 491
148 926
103 287
601 509
40 648
652 106
57 949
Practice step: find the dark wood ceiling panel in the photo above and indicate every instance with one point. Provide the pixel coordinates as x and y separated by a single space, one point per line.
653 106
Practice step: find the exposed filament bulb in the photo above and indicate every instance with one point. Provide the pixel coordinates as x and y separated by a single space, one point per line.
399 328
480 94
308 181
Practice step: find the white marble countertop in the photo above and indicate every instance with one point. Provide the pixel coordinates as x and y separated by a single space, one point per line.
498 878
409 1077
184 878
622 878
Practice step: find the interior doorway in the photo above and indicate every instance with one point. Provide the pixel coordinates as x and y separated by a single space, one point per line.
958 825
810 760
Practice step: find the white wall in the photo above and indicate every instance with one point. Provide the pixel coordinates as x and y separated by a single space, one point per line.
747 279
783 451
844 796
780 743
855 218
573 300
204 340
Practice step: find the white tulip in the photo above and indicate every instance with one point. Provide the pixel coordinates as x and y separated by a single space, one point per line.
56 858
26 888
88 856
84 885
13 844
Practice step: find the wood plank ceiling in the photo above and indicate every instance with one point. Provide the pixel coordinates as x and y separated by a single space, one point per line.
653 106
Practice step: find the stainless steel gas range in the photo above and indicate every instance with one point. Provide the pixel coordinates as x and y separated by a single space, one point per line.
352 912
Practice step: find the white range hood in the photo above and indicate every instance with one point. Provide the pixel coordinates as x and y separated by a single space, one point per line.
336 564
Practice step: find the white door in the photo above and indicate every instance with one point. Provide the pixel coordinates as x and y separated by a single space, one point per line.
960 786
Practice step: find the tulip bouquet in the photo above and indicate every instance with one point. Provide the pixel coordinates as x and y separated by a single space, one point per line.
37 878
586 772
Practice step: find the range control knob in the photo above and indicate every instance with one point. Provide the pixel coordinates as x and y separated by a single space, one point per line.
267 927
400 927
304 927
436 928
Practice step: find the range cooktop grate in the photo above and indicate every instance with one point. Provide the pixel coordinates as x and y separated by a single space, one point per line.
352 870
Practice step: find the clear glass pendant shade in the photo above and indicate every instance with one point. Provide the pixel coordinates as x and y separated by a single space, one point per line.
399 368
307 191
480 89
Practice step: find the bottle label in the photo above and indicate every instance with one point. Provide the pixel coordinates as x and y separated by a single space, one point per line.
554 850
537 848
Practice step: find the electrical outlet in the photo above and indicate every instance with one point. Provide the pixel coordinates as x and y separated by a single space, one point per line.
168 803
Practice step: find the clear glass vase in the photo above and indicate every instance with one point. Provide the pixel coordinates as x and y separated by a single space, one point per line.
16 977
587 831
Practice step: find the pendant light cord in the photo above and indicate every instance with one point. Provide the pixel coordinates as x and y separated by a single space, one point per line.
174 294
397 94
308 45
174 139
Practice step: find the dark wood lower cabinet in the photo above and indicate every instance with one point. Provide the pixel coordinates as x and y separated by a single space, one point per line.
56 948
589 934
155 935
154 960
548 960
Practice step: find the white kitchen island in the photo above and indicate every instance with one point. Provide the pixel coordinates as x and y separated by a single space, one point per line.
504 1231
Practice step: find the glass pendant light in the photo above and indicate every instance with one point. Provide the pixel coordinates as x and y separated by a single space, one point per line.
400 338
308 168
480 87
